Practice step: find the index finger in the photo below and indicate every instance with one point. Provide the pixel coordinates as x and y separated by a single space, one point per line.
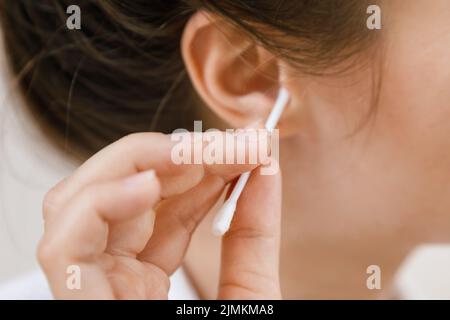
144 151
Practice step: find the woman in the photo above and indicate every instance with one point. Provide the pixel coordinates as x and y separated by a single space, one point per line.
365 145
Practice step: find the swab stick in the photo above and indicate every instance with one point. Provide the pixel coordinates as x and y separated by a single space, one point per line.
222 220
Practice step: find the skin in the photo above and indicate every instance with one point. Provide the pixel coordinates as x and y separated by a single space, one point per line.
127 245
349 200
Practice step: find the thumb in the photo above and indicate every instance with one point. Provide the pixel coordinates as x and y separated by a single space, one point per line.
250 249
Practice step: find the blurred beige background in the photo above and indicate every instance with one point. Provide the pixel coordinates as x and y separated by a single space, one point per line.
29 167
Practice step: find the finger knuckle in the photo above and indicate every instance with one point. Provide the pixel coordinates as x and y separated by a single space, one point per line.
187 222
251 284
158 282
234 290
47 252
249 233
87 196
51 200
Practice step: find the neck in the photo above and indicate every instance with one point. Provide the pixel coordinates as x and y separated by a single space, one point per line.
325 253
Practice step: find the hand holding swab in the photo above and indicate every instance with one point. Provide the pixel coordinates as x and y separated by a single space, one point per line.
222 220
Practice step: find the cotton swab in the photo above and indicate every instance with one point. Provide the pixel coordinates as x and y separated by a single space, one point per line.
222 220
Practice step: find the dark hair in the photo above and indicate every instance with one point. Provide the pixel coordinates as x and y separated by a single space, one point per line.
123 71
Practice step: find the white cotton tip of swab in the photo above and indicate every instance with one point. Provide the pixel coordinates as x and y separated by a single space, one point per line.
222 220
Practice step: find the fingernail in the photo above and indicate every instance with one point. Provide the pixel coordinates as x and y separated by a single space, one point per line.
140 179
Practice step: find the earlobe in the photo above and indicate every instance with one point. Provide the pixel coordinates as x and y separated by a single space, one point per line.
235 77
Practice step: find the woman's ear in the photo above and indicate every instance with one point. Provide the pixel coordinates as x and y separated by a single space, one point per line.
235 77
